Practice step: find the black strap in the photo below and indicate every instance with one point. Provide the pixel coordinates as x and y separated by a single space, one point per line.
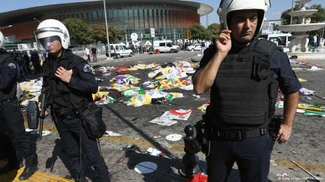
265 47
239 135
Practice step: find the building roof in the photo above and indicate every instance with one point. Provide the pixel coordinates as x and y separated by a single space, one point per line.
34 13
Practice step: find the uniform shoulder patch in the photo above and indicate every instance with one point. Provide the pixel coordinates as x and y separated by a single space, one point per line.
12 66
87 68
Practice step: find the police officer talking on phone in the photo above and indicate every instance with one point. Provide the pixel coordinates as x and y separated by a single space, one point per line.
243 75
12 118
69 79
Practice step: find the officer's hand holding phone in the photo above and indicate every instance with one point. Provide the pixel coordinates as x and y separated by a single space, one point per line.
223 42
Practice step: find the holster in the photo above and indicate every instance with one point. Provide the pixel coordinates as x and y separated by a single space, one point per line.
32 115
274 126
203 131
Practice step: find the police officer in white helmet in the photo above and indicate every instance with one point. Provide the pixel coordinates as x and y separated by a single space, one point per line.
11 119
243 75
71 83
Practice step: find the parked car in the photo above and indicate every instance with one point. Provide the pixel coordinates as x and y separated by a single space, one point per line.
165 46
194 47
283 39
119 50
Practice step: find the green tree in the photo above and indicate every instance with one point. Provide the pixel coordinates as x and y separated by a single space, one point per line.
200 32
319 16
214 28
98 34
78 30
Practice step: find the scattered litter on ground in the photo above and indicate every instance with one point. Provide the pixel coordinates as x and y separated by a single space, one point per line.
201 177
283 176
154 152
273 163
174 137
111 133
156 136
197 96
179 114
163 121
305 91
169 117
36 132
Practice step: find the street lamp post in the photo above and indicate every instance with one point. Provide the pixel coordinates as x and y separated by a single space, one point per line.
164 22
291 11
107 35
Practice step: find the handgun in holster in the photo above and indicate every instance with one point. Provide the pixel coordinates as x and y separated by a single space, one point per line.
203 130
274 126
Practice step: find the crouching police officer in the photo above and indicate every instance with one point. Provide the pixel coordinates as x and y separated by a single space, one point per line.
10 114
69 78
243 75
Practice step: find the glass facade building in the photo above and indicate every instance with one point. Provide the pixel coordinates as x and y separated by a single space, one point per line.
170 18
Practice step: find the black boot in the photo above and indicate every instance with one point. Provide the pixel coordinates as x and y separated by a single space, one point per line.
28 172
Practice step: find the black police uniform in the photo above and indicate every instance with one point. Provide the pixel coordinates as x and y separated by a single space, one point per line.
240 110
8 150
79 90
10 113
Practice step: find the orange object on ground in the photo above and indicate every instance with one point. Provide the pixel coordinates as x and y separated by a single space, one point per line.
198 178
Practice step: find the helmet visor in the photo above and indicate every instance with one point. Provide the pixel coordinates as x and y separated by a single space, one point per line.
45 43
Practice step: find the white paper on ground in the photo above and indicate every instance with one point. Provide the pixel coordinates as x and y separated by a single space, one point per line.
154 152
179 114
174 137
163 121
111 133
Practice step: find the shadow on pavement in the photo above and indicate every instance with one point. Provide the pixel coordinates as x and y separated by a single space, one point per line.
164 171
142 133
57 152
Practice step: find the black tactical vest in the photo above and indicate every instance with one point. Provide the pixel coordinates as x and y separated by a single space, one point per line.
243 91
10 92
59 91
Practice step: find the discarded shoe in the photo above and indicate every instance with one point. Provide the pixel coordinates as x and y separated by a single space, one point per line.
28 172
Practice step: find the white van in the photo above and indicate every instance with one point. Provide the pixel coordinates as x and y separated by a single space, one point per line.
282 39
119 50
165 46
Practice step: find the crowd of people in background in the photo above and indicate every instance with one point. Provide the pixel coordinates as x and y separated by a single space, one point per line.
29 62
316 40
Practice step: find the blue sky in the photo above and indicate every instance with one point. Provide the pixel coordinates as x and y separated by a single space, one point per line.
278 6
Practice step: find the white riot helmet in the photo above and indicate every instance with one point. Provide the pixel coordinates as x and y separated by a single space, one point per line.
227 6
2 40
50 30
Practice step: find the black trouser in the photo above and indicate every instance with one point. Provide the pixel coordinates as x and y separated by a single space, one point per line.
252 156
10 114
69 131
7 147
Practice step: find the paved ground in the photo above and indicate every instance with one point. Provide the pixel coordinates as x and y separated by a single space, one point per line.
122 153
